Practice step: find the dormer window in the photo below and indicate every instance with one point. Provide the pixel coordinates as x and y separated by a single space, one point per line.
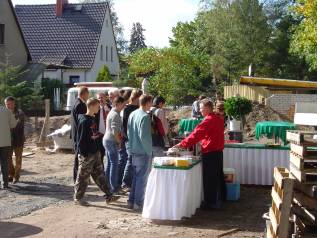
1 34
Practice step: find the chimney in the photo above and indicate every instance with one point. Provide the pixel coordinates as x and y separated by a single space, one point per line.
60 7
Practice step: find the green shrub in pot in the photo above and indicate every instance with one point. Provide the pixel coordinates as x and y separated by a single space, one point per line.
237 108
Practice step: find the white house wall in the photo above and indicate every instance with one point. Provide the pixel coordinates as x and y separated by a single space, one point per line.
106 39
57 74
13 46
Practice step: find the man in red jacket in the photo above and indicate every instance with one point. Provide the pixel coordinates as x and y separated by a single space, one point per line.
210 134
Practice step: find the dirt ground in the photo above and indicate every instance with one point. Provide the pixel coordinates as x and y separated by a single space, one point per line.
41 206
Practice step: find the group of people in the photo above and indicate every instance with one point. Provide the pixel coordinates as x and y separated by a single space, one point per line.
115 138
11 141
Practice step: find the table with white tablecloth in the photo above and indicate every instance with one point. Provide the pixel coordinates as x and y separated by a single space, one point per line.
254 163
172 193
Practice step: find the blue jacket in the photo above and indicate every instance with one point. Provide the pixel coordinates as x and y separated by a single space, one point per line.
139 133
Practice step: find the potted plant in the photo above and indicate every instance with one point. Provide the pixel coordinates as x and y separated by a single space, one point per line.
236 109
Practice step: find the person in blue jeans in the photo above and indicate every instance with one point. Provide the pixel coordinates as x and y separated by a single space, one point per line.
112 141
140 147
125 161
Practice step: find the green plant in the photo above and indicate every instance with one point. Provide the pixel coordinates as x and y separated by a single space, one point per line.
238 107
104 75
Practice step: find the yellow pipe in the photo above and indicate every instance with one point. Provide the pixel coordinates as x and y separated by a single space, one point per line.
278 82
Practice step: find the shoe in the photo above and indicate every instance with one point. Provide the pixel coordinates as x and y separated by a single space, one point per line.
122 192
6 187
10 180
15 180
125 189
137 208
112 199
130 205
81 202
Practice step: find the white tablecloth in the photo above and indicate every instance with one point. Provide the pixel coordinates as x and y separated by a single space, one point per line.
173 194
255 166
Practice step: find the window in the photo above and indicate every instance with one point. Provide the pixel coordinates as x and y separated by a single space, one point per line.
101 52
106 53
73 79
111 54
1 34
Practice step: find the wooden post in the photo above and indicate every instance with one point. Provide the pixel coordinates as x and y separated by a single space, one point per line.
45 127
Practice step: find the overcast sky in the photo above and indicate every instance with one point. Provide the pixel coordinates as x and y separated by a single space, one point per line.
157 16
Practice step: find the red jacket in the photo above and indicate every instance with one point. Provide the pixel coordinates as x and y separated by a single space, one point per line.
210 134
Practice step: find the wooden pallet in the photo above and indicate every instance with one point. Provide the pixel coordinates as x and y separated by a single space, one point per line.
301 163
304 152
307 176
304 138
282 195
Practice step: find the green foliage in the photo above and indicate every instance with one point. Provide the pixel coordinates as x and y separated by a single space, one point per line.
304 40
238 107
176 73
28 97
104 75
137 39
47 89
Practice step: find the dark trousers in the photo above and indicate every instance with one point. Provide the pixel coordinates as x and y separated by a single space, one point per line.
213 178
75 168
4 155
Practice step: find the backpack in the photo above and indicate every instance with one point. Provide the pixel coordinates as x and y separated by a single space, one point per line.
157 128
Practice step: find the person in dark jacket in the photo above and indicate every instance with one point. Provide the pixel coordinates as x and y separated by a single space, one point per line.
125 163
89 156
79 108
17 140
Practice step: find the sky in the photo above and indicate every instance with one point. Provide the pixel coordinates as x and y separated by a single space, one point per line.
156 16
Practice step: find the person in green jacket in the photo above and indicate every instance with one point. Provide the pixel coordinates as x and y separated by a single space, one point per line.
140 147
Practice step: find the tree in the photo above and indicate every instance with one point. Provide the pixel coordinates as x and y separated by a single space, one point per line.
137 40
12 85
176 73
104 75
117 26
304 40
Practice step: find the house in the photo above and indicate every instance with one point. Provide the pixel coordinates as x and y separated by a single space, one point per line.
73 40
13 47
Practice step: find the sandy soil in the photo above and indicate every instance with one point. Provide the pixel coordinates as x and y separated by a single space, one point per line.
41 206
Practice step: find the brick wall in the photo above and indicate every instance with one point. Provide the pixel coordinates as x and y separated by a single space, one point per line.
285 103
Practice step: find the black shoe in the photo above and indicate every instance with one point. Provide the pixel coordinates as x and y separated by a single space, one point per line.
10 180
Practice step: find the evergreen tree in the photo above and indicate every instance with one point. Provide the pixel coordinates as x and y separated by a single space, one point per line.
137 40
104 75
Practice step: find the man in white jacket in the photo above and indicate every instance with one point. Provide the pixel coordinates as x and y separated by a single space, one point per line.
8 122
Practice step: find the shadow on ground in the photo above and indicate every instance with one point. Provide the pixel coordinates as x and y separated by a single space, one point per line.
15 230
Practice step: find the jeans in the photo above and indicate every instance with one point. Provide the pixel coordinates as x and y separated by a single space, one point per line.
4 154
158 151
123 158
141 167
128 170
112 164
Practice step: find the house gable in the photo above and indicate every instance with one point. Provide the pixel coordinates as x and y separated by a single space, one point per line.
107 53
14 47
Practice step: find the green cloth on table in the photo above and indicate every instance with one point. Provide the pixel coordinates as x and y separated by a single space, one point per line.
195 162
273 128
188 125
256 146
